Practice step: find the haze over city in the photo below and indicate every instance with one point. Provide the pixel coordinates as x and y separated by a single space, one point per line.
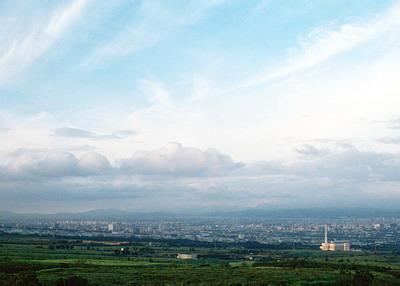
196 106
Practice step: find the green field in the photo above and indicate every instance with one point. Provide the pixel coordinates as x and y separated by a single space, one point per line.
49 261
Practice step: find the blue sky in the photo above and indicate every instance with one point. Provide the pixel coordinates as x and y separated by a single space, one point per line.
218 104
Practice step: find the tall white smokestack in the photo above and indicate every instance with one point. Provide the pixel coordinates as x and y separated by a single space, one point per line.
326 233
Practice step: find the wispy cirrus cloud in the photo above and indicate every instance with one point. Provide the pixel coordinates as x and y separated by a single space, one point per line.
152 22
22 43
82 133
324 43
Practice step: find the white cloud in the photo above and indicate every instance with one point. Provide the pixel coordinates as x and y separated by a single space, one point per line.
63 19
71 132
322 44
174 159
157 94
34 164
152 22
93 163
27 163
166 177
19 51
3 128
309 150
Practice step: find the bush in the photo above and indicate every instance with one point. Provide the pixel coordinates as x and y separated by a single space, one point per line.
363 278
27 278
73 281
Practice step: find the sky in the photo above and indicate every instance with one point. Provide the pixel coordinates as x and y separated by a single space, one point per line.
199 105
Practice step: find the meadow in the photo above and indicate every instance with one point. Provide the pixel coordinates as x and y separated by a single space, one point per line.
34 260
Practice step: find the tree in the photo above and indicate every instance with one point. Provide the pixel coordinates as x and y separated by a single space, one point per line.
73 281
27 278
363 278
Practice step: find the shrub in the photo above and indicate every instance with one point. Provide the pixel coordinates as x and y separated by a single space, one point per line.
73 281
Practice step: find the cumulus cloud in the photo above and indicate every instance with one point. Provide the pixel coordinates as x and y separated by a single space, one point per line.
174 159
29 163
201 178
390 140
35 164
93 163
352 164
82 133
393 124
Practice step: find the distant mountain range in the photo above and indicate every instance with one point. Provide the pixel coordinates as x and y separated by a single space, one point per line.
255 213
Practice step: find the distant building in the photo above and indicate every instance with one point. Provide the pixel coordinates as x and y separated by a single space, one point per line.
110 227
187 256
334 246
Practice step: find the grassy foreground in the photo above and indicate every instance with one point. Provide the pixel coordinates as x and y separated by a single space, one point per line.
29 260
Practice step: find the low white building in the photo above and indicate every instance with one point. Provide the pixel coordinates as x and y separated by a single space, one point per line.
334 246
187 256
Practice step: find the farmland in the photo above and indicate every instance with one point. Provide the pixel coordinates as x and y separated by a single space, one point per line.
45 260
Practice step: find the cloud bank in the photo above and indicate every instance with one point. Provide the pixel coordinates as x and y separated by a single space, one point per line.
176 174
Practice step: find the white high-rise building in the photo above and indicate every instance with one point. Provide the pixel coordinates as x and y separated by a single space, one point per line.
110 227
